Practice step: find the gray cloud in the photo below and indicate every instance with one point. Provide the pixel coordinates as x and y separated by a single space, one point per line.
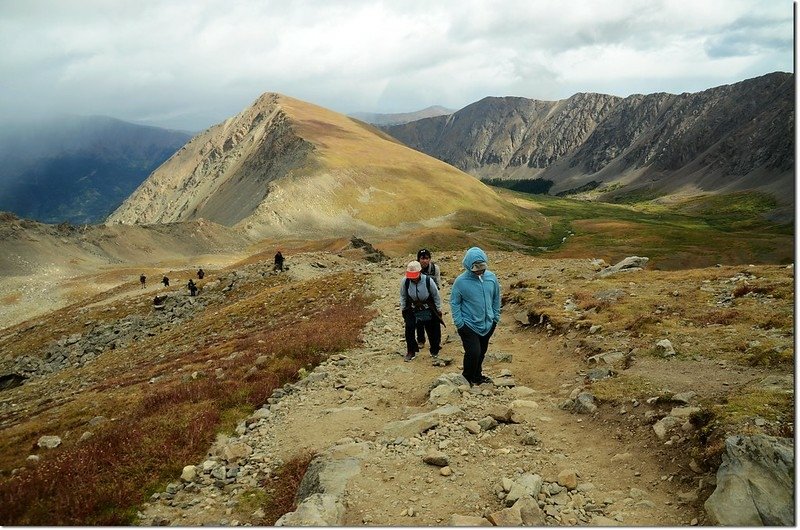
190 64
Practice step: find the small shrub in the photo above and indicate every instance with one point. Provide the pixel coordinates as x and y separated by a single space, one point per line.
586 301
723 317
769 357
282 488
744 289
642 321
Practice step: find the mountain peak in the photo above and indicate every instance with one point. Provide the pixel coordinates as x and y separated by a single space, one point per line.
285 166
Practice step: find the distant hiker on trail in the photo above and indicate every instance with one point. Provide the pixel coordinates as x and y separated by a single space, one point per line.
165 281
475 302
429 268
279 261
200 273
192 287
142 279
420 303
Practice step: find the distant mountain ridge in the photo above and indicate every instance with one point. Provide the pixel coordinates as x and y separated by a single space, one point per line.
287 167
727 138
78 168
401 117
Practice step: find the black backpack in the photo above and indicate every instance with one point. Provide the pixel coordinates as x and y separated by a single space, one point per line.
427 286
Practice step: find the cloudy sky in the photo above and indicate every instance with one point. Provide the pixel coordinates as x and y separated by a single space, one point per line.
189 64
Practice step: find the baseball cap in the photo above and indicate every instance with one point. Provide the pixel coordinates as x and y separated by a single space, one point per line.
412 270
423 252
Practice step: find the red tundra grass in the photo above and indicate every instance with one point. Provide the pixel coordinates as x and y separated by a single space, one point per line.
103 480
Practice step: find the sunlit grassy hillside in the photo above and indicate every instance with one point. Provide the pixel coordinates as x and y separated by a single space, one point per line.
359 171
701 232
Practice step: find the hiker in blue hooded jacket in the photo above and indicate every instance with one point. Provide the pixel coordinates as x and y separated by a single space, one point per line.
475 302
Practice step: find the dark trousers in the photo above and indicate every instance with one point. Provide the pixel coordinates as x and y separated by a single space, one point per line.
431 326
421 332
475 347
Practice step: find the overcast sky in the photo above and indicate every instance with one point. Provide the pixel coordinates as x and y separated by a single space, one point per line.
189 64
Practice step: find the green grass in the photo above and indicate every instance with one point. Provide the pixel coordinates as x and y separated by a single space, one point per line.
700 232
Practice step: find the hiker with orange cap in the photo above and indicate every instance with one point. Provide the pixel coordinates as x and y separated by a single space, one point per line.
420 302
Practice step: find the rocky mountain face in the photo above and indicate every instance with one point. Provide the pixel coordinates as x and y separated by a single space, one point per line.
286 166
401 117
727 138
78 169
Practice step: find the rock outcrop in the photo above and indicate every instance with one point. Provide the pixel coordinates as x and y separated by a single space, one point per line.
727 138
755 483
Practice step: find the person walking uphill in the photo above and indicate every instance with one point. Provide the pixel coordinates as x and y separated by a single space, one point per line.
428 269
420 302
475 302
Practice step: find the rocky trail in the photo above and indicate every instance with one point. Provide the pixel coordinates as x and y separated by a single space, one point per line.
411 444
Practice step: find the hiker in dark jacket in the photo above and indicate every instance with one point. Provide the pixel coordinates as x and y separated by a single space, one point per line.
192 287
475 302
420 302
200 273
279 261
142 280
430 269
165 281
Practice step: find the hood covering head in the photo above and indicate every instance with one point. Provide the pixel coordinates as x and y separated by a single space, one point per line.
473 255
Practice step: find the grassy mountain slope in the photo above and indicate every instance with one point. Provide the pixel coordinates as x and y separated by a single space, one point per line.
284 166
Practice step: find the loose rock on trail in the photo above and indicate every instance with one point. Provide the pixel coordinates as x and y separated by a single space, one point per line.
408 444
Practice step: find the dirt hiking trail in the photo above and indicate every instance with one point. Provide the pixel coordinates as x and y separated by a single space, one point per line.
359 405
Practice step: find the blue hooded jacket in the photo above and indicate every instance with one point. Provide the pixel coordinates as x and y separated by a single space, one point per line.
474 299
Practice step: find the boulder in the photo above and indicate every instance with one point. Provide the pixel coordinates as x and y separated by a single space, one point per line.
521 392
755 483
488 423
501 413
522 317
49 442
316 510
584 404
524 512
189 474
236 451
613 358
568 478
532 484
632 263
663 426
523 411
436 458
418 423
444 395
664 348
452 379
